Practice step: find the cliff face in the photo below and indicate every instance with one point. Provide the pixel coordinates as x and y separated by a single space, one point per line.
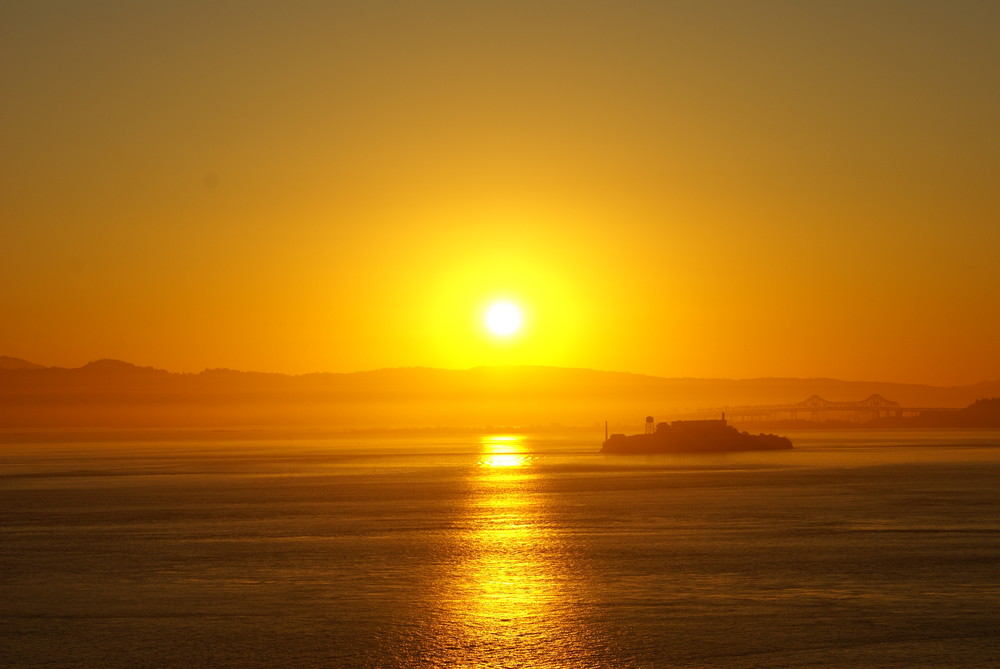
694 436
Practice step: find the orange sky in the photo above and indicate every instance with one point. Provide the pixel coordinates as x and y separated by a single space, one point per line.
722 189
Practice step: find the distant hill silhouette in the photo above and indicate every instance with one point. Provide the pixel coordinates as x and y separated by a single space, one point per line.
107 367
981 413
7 362
112 393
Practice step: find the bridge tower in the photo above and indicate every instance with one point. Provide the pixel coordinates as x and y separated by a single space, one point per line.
650 428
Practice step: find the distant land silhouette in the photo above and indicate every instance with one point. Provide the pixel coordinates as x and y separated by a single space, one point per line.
112 393
981 413
692 436
7 362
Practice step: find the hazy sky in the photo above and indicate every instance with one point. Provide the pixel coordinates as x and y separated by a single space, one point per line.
723 189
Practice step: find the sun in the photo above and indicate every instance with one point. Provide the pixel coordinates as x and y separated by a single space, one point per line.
503 319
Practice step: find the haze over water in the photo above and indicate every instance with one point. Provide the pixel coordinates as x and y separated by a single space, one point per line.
857 549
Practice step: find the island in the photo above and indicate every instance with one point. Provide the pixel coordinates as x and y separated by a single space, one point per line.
693 436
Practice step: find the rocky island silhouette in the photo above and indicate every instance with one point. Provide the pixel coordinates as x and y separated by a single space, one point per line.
693 436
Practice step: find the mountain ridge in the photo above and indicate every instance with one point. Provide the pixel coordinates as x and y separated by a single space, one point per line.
116 364
7 362
111 392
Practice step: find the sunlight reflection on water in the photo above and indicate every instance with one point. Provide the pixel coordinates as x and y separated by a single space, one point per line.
506 599
503 451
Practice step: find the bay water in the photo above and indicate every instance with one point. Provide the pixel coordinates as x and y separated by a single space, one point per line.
508 549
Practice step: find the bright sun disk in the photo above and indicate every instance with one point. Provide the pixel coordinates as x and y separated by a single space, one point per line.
503 319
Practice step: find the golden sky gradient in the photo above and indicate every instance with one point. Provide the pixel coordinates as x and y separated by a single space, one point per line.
712 189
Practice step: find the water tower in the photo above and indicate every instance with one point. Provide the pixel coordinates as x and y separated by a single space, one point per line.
650 429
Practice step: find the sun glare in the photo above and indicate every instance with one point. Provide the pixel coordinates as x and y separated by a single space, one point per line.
503 319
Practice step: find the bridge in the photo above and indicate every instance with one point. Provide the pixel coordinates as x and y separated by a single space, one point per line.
872 407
